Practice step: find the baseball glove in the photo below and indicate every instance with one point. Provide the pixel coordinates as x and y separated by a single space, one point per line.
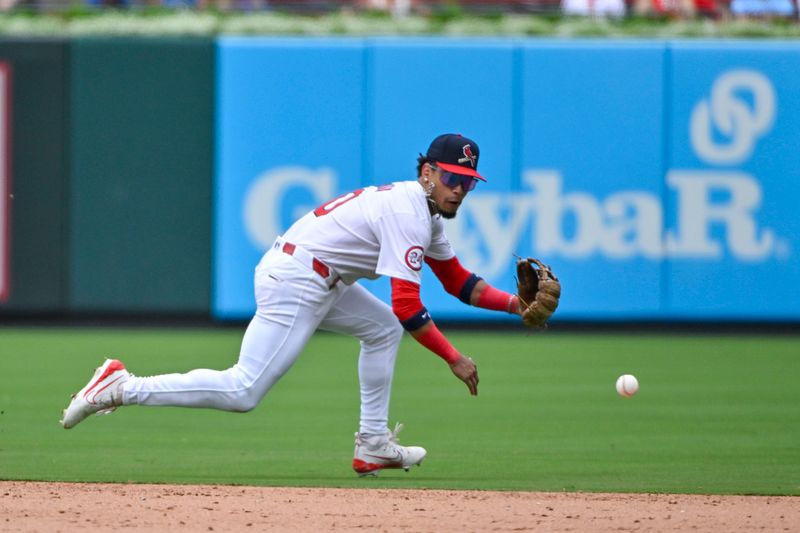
538 291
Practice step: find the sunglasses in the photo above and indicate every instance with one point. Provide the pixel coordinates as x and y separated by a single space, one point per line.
452 180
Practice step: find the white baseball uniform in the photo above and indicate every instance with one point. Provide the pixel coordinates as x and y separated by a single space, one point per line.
307 281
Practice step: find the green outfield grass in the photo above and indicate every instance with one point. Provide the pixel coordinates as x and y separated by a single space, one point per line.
714 414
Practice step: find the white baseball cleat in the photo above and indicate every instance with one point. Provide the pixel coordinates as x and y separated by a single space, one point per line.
101 395
373 453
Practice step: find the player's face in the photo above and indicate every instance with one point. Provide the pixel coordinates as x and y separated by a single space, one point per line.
449 190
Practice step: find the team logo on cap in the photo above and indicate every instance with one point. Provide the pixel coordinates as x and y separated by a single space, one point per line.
468 156
414 257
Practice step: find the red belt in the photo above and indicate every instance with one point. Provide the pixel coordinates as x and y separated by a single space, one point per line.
318 266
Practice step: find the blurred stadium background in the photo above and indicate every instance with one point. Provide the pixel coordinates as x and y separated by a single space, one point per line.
672 9
142 177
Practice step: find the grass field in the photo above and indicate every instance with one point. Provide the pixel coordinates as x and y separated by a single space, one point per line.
715 414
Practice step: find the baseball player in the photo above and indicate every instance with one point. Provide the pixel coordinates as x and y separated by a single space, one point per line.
307 281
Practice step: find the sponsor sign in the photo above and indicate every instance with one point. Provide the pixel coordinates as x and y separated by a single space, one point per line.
671 173
732 184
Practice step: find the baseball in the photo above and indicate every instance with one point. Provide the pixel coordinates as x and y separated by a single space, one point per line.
627 385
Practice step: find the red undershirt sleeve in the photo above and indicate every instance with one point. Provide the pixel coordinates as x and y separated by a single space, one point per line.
408 308
407 305
460 282
455 279
496 300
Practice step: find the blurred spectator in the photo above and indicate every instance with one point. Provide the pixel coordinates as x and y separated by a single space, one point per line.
398 8
238 5
762 8
122 3
707 9
222 5
675 9
596 8
6 5
681 9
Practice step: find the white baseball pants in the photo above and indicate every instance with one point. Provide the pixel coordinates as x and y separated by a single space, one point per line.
293 301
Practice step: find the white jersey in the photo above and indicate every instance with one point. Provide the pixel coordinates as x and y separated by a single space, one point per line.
373 232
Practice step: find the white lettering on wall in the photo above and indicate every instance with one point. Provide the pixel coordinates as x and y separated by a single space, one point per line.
714 212
264 200
738 121
625 224
697 214
492 240
706 214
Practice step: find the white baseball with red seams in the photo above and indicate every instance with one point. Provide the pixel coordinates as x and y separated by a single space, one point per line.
627 385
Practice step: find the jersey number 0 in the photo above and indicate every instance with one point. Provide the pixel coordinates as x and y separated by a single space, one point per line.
336 202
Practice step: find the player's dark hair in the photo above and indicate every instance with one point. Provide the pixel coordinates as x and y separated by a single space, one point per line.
421 160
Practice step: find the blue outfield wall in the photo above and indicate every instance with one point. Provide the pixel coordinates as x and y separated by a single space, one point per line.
658 179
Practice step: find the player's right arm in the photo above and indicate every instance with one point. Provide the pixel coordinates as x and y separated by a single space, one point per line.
413 316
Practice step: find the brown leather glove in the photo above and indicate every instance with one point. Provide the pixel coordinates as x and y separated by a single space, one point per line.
538 291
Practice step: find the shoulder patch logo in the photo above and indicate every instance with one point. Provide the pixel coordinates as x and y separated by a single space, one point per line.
414 257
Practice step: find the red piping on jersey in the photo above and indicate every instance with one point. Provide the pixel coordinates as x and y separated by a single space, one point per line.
318 266
451 274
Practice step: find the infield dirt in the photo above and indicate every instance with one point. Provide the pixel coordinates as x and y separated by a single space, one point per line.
51 507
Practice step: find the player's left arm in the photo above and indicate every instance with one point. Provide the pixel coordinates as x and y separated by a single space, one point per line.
471 288
415 319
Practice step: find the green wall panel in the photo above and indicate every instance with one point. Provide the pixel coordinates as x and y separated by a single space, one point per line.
38 251
140 175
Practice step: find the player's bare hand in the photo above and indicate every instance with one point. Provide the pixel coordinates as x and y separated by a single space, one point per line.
466 370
